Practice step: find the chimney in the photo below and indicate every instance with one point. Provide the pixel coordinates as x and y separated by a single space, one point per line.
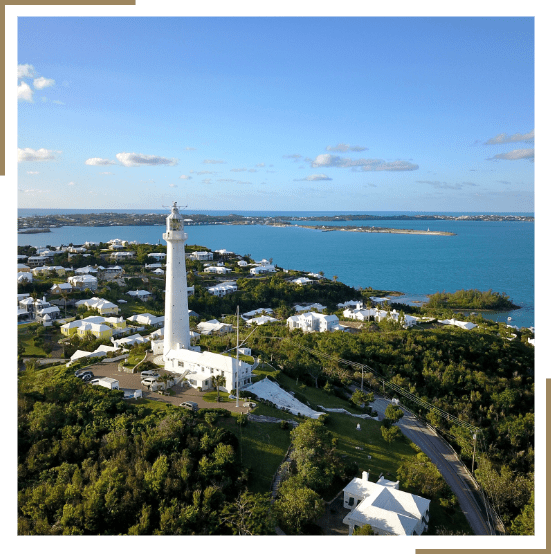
365 476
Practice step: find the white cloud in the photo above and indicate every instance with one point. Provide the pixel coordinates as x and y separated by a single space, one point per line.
341 147
214 162
99 161
40 155
33 172
25 70
261 164
132 159
42 82
517 137
172 185
33 192
24 92
190 148
71 183
204 172
520 154
316 177
398 165
444 185
185 177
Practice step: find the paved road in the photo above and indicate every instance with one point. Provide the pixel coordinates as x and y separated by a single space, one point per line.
444 458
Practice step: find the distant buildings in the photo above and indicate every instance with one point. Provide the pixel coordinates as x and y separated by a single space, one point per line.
313 322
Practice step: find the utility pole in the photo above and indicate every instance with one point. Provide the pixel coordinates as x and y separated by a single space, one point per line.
474 449
237 351
362 378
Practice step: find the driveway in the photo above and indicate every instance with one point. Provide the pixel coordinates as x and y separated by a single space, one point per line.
179 394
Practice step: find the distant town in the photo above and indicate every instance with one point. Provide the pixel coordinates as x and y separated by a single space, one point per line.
43 223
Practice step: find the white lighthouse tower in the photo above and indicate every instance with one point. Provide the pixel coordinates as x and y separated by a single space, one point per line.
176 306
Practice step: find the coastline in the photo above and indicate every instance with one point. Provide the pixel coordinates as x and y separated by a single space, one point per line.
367 230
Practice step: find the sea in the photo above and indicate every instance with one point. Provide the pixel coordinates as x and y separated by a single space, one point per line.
482 255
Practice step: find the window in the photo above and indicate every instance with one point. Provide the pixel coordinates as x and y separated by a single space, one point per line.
180 363
175 225
351 501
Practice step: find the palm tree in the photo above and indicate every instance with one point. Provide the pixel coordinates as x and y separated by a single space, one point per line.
218 381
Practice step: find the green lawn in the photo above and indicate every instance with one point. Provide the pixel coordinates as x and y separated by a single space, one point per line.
262 448
263 370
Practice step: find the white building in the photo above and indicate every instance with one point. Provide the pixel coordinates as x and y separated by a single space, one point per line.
218 270
302 281
463 324
201 256
214 327
199 367
139 294
259 311
157 255
312 321
224 288
386 509
353 304
176 305
309 308
83 282
147 319
261 320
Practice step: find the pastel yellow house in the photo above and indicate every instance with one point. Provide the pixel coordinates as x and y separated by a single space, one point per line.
100 327
104 307
99 330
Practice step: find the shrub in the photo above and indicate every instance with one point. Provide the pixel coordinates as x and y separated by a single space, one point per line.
284 424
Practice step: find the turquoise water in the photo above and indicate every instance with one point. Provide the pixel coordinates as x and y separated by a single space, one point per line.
482 255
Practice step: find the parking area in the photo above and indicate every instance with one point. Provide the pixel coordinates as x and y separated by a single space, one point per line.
179 393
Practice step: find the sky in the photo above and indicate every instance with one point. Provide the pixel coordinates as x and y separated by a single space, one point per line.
332 113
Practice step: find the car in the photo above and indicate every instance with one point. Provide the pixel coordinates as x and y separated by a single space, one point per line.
148 381
149 373
86 375
193 406
249 405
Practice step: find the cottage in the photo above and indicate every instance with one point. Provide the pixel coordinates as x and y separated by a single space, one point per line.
201 256
83 282
147 319
309 308
104 307
261 320
386 509
139 294
157 255
214 327
312 321
302 281
224 288
61 288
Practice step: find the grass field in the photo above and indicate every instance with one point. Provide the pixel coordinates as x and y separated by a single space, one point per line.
262 448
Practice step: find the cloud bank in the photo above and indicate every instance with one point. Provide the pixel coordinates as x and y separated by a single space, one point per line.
517 137
520 154
40 155
316 177
133 160
330 160
341 147
25 70
42 82
99 161
24 92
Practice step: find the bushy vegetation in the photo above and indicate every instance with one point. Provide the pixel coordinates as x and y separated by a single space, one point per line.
91 463
471 299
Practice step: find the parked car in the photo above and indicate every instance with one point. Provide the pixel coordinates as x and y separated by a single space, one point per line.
249 405
148 381
149 373
193 406
86 375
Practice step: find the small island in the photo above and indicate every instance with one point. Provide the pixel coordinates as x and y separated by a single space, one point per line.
471 299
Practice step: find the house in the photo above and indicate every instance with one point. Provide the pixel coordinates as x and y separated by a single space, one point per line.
23 268
51 312
309 308
261 269
116 324
83 282
312 321
147 319
157 255
47 269
261 320
201 256
123 255
302 281
24 277
99 330
151 267
218 270
159 271
214 327
111 271
259 311
352 304
378 300
316 275
87 270
60 288
378 315
139 294
129 341
35 261
104 307
463 324
242 263
201 367
386 509
224 288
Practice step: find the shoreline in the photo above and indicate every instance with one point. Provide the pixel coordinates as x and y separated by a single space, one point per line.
368 230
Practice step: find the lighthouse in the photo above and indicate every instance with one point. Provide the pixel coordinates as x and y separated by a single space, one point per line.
176 306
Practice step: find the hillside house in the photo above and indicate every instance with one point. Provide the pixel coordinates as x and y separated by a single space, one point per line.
313 322
214 327
386 509
83 282
201 256
139 294
103 307
223 288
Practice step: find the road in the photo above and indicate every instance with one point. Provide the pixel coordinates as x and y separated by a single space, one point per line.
445 459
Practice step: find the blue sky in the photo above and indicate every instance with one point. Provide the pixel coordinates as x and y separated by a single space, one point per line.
361 113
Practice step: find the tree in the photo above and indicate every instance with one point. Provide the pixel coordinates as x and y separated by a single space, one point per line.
421 474
249 514
364 530
360 398
393 413
523 524
297 505
218 381
390 434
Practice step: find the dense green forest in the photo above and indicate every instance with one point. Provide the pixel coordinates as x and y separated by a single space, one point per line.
91 463
471 299
477 376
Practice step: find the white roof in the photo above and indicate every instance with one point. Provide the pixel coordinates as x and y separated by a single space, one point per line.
206 359
260 320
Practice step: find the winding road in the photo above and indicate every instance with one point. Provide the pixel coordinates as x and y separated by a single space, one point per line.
446 460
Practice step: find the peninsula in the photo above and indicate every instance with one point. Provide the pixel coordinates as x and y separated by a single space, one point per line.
42 223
